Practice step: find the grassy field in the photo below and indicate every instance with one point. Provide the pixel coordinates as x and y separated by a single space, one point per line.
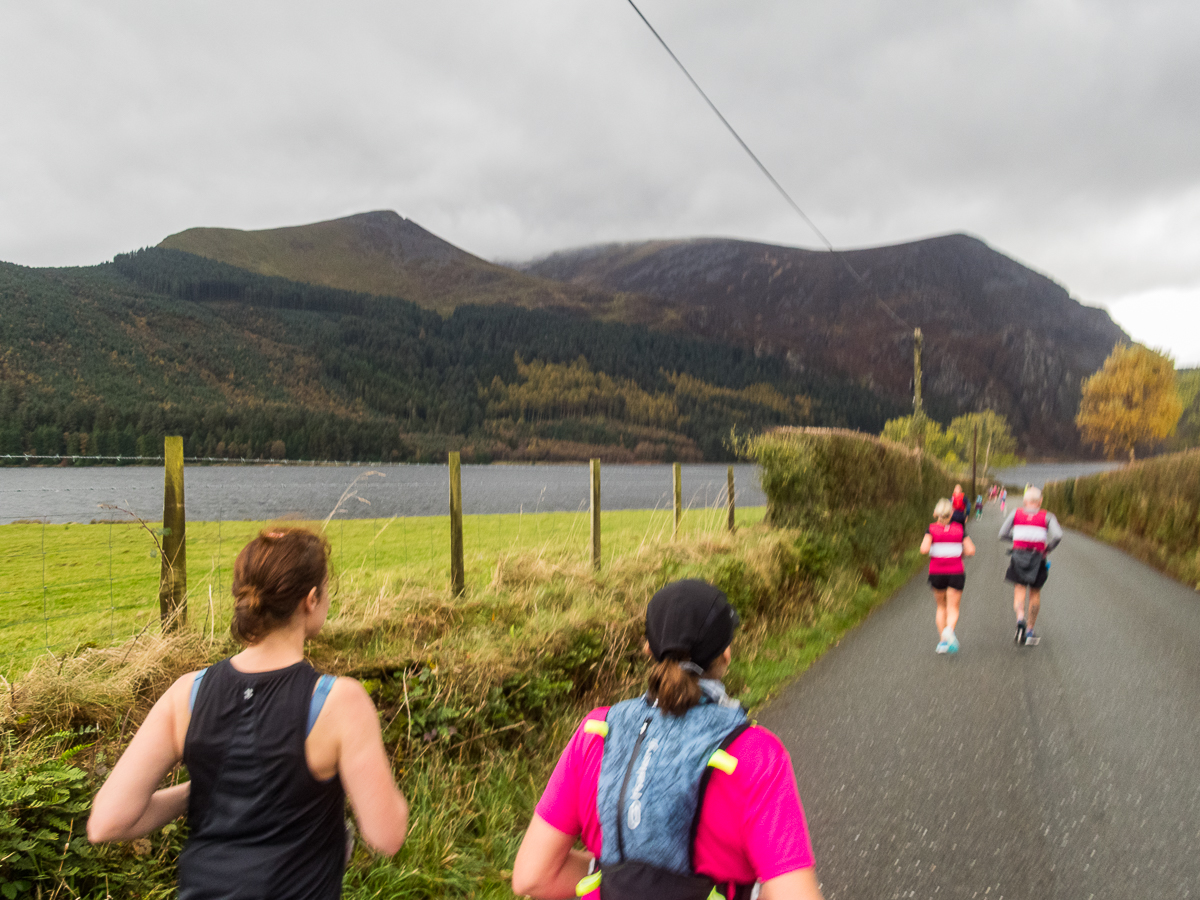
476 694
63 587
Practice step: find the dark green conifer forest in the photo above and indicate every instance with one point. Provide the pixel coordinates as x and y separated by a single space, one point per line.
106 360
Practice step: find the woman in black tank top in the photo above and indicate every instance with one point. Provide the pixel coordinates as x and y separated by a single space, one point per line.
271 762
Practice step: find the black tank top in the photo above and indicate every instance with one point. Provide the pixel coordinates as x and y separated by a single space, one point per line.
260 826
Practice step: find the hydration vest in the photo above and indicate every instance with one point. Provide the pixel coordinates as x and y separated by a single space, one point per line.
653 778
1029 531
945 553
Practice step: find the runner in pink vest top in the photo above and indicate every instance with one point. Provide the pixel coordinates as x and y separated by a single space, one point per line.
1034 533
946 543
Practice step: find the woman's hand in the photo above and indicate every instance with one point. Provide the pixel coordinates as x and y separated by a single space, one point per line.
968 547
926 543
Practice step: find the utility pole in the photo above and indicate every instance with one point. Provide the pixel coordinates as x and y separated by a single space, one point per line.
918 418
918 342
974 458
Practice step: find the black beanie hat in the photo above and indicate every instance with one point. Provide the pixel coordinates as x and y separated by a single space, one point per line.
690 618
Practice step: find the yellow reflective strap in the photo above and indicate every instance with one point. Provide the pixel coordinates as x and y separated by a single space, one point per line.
714 894
723 761
595 726
588 884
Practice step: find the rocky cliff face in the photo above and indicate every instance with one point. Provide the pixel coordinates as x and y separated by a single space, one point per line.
997 334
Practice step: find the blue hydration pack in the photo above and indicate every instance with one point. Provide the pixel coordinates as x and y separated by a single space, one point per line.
653 777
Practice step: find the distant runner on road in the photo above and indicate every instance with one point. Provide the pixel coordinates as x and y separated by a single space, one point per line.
961 505
946 544
1034 533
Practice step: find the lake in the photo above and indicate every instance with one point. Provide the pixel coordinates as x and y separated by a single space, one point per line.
1041 474
260 492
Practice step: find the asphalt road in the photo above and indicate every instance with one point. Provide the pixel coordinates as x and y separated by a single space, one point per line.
1067 770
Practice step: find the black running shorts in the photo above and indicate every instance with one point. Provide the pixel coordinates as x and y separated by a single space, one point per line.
941 582
1016 577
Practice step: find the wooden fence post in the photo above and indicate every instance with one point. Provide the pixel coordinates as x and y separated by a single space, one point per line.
595 495
172 584
678 475
458 575
729 500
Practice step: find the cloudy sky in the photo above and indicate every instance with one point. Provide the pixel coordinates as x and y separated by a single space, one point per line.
1063 133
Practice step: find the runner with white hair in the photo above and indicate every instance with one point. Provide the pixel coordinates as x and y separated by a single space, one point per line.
1034 533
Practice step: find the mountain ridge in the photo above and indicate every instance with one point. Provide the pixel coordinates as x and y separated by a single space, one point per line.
997 333
380 253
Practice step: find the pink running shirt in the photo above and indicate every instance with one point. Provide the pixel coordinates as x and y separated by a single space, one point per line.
945 552
752 827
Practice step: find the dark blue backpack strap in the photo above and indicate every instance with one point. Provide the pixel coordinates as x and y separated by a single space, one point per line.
195 689
324 684
704 779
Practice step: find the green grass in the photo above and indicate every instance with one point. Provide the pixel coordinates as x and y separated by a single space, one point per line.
63 587
478 694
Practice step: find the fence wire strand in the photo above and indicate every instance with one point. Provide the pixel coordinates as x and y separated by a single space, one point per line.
67 586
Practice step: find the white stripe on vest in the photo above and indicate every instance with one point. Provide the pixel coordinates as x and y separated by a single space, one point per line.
1030 534
945 549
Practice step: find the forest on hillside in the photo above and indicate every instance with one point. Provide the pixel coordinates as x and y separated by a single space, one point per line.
106 360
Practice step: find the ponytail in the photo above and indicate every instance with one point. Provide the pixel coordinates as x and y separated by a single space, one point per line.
674 689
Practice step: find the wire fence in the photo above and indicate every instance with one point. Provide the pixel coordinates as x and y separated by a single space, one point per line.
79 563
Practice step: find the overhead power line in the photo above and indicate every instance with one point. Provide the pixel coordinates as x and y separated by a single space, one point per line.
762 168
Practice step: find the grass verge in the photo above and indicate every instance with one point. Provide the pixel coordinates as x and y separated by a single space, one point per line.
476 695
68 587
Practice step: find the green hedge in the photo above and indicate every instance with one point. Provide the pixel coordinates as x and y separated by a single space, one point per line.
854 497
811 475
1151 509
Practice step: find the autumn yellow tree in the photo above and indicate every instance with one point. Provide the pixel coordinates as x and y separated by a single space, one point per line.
1132 400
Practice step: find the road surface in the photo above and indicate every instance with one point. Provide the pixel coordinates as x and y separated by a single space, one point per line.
1067 770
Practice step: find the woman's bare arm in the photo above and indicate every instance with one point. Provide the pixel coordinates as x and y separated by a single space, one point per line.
801 884
128 806
968 547
926 543
547 868
379 807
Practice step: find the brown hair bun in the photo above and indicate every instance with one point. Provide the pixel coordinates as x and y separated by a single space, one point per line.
272 576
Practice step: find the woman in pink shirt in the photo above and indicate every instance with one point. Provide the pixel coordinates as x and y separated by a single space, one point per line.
674 793
946 543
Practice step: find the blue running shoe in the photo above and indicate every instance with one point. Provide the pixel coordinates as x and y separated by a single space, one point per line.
943 647
1019 640
953 648
1031 639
